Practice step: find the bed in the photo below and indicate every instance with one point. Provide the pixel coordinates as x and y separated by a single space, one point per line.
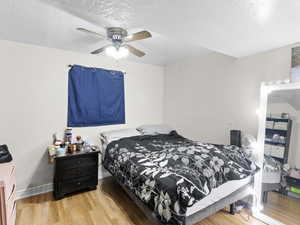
271 177
271 171
178 181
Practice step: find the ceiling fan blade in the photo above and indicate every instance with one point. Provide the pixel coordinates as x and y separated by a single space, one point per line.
138 36
100 50
135 51
91 32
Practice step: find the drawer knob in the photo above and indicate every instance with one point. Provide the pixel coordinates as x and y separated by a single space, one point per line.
78 183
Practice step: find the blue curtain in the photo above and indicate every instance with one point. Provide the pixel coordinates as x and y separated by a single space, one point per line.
96 97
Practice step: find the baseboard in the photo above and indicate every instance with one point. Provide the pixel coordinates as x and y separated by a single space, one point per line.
45 188
41 189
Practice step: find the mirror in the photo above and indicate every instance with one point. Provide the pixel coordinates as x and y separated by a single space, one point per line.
280 157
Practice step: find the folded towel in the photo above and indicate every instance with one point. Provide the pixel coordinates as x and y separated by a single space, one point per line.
295 173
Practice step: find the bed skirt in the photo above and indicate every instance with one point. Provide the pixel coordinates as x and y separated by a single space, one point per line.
239 194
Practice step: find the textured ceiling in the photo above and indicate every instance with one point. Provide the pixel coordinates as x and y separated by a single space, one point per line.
180 28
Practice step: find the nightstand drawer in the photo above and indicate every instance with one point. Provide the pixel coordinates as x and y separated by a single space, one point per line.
12 218
11 201
9 170
7 193
77 172
75 162
12 182
77 184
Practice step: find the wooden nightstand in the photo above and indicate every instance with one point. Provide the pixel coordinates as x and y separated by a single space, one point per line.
75 172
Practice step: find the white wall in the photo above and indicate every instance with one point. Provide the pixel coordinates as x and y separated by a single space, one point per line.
195 90
208 96
33 101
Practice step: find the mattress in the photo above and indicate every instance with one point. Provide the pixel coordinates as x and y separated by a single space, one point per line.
168 172
217 194
271 171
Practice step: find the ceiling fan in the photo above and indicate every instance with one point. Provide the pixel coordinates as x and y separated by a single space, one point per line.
119 37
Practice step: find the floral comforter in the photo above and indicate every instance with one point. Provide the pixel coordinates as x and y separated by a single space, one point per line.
170 173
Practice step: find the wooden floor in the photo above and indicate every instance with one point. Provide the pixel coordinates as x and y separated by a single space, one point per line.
108 205
283 208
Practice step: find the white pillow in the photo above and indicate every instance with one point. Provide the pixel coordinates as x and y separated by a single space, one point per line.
155 129
114 135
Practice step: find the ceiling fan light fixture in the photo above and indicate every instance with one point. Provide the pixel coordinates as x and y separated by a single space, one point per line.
119 38
120 53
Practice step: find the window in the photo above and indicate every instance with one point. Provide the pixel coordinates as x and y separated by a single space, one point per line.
95 97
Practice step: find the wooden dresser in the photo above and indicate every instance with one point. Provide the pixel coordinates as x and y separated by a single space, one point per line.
7 194
75 172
